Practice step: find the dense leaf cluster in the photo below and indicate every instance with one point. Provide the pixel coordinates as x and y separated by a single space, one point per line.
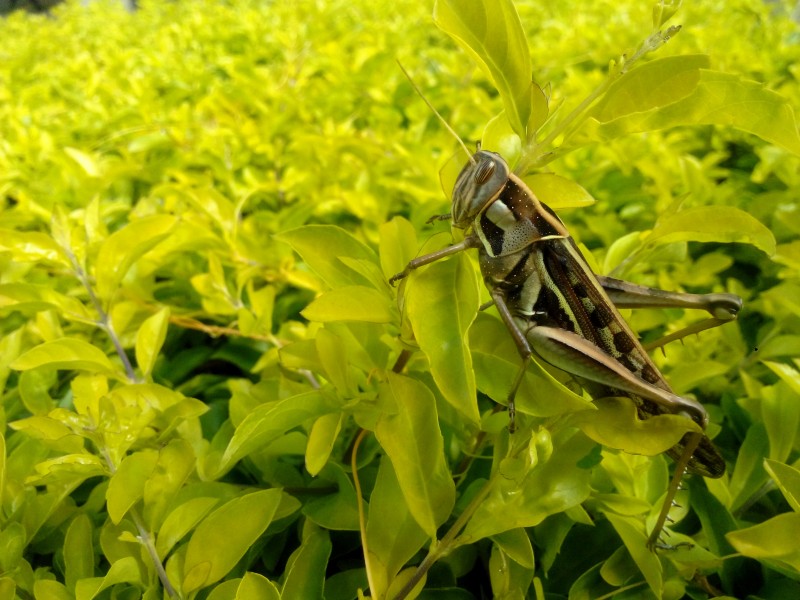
209 389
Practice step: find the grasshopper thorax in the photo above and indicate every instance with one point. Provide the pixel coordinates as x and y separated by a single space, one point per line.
478 185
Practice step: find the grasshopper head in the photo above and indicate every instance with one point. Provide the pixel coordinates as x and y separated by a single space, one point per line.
478 184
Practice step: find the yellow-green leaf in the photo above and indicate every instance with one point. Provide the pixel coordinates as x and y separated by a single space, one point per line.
150 338
712 224
491 32
224 536
65 353
351 303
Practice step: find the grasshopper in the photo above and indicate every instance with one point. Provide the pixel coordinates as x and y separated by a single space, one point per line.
556 308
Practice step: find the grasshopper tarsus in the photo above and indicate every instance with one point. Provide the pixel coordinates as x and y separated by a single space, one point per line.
434 218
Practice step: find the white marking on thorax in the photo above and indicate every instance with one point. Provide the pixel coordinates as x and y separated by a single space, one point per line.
502 216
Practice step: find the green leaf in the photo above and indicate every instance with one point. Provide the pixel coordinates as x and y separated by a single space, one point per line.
393 535
254 585
780 412
351 303
398 245
125 570
126 486
12 545
774 539
181 521
558 192
748 474
712 224
51 590
265 423
149 339
498 136
496 364
335 511
408 430
78 551
320 246
34 386
654 84
717 99
223 537
305 570
441 302
549 488
123 248
26 297
321 439
32 246
65 353
788 480
635 539
84 160
616 425
491 32
516 544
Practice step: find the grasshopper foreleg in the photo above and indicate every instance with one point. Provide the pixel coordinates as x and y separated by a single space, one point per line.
471 241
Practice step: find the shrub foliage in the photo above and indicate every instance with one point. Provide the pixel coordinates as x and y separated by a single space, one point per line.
209 388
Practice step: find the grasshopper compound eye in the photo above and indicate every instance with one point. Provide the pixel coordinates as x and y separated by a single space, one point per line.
484 171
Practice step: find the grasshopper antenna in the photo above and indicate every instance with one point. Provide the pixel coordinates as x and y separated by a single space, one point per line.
436 112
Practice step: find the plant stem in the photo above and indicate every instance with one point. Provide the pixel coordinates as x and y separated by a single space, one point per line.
536 155
102 317
362 518
144 535
447 543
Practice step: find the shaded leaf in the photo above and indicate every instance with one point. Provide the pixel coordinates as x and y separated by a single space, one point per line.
125 570
393 535
265 423
305 570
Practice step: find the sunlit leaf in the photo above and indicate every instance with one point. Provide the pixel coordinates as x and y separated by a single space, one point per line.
66 353
124 247
493 35
150 338
442 301
223 537
712 224
125 570
775 539
558 192
616 425
788 480
717 99
411 437
351 303
320 246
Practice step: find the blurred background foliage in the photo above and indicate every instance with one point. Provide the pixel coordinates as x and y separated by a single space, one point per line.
216 126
